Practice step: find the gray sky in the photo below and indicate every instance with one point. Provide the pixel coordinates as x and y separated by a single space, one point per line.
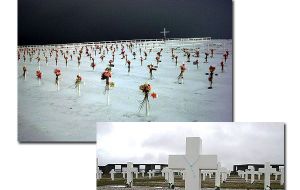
234 143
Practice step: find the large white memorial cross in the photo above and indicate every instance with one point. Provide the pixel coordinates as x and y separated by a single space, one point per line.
267 170
129 172
193 162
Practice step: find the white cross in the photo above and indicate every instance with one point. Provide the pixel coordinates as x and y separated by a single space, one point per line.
203 176
129 172
276 175
192 162
267 170
112 174
183 175
169 176
281 176
241 173
165 32
136 174
246 175
124 173
163 171
224 173
97 169
220 170
252 172
151 173
99 174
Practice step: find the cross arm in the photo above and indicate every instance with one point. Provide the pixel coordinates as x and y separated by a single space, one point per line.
204 162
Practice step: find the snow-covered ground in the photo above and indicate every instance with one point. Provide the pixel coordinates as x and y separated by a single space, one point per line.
45 114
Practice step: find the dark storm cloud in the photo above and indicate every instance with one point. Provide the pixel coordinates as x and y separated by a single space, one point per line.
63 21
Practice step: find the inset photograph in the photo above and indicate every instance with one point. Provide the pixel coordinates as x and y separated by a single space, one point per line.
191 156
81 62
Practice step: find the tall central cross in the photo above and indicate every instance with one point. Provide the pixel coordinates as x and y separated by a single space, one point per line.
165 32
267 170
192 162
129 172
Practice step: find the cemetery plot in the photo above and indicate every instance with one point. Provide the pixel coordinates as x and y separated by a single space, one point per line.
63 90
194 171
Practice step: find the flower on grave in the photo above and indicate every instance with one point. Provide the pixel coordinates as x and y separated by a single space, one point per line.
57 72
182 67
78 80
153 95
38 74
106 74
111 84
146 89
211 69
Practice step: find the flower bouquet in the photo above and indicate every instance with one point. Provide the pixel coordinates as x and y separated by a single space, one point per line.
38 74
146 89
105 76
78 80
211 74
93 65
57 72
212 69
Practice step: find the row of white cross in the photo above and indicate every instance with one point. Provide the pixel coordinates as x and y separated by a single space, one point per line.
267 170
192 164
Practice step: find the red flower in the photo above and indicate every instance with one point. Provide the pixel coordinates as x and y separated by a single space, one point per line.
57 71
154 95
107 74
39 74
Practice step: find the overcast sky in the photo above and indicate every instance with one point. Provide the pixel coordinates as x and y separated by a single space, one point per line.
63 21
234 143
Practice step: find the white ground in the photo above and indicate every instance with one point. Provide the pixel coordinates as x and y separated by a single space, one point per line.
47 115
